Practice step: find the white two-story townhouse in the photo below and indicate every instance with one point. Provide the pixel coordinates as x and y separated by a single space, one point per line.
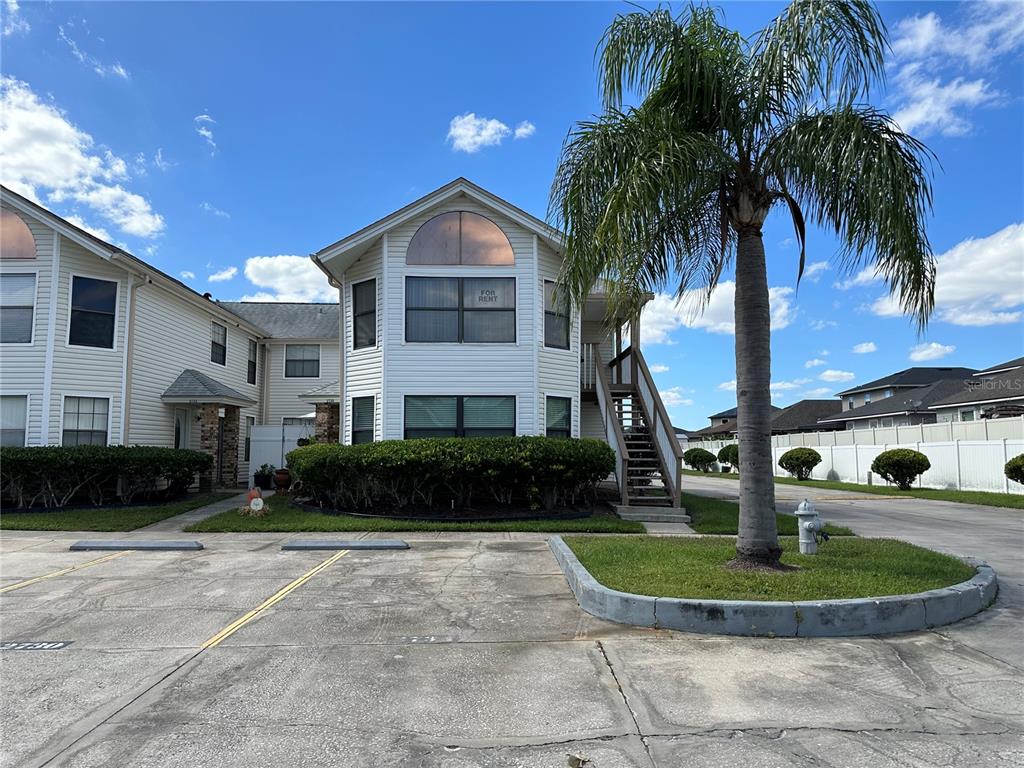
451 326
98 347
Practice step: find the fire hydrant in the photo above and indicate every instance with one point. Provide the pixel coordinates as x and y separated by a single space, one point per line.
810 526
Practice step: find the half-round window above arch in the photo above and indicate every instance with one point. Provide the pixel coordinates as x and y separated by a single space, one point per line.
16 240
460 237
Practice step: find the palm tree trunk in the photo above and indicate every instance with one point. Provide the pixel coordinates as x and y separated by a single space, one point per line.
758 540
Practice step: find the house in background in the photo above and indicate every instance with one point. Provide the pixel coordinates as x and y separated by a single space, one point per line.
899 382
993 393
804 416
908 406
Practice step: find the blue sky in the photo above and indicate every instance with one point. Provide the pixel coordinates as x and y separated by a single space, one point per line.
225 141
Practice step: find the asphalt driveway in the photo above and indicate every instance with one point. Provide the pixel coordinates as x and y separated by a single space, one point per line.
465 650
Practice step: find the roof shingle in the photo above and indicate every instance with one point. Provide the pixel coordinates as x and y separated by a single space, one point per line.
198 387
287 320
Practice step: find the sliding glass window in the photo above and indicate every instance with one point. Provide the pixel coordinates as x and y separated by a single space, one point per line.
454 416
452 309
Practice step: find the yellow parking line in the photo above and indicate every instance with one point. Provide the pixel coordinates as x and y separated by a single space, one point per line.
236 625
62 571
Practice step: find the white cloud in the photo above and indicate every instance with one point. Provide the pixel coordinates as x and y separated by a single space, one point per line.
160 161
14 23
864 347
469 133
866 276
814 363
99 232
525 130
781 386
91 61
728 386
202 125
664 314
971 282
673 398
187 275
932 94
213 210
834 375
813 270
930 351
223 275
287 278
659 368
821 325
817 392
43 150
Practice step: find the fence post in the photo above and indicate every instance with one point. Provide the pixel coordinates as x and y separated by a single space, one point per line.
959 481
917 447
1006 458
856 462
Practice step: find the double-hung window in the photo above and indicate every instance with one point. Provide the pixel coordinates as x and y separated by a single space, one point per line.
218 344
558 415
364 314
302 361
460 309
455 416
250 422
362 420
250 373
13 417
17 305
85 420
93 308
556 318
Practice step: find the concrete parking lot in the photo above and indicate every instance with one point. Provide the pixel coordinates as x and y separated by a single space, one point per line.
465 650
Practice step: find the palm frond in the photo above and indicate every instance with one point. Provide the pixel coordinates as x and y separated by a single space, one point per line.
854 171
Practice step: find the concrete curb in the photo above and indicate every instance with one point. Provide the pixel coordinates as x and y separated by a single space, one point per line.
825 618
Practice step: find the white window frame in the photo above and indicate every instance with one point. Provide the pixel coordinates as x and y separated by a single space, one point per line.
227 332
109 397
574 416
254 346
284 360
472 273
117 314
376 314
35 305
28 406
448 393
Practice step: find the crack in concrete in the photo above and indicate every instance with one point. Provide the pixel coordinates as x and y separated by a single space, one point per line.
625 700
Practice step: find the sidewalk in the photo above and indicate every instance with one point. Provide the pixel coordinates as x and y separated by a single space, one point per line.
177 523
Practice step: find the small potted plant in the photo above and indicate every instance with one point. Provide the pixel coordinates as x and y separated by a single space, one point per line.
263 477
282 478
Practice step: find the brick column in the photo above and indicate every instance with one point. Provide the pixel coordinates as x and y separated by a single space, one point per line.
208 418
328 422
229 472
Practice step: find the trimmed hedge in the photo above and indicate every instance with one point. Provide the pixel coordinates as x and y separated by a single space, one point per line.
447 473
699 458
800 461
54 476
901 466
1014 469
730 454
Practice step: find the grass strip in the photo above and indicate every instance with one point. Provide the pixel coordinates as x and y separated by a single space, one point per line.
104 518
721 516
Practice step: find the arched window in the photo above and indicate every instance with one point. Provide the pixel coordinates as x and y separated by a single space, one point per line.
16 240
460 237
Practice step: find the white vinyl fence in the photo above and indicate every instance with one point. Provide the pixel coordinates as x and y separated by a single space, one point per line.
967 456
270 444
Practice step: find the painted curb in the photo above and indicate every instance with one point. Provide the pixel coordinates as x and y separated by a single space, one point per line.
824 618
142 545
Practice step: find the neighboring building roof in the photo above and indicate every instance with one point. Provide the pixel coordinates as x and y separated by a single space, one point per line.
1009 365
731 413
804 414
913 400
992 389
328 393
193 386
911 377
283 320
717 429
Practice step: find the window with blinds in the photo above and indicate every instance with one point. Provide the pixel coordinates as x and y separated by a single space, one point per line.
250 371
362 420
364 314
556 318
13 418
453 309
460 416
17 308
301 361
86 421
218 344
558 416
93 309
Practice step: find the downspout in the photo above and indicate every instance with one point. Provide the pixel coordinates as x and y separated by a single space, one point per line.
264 380
51 334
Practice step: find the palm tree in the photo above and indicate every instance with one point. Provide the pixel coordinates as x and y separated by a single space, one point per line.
669 193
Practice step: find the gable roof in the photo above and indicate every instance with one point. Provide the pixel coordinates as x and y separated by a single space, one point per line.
905 401
727 428
1009 365
911 377
119 256
328 393
284 320
804 414
991 389
731 413
196 387
338 256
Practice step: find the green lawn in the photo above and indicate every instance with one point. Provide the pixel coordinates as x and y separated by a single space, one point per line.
694 567
984 498
720 516
104 518
286 518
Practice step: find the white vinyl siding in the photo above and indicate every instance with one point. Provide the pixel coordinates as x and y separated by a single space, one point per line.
17 307
558 370
86 420
283 393
363 374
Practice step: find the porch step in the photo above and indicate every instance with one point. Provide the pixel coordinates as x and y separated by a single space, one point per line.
652 515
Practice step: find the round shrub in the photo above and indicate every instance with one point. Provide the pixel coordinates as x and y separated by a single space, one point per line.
1014 469
800 461
698 458
901 466
447 473
730 454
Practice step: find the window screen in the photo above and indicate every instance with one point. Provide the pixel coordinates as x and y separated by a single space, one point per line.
558 415
454 416
250 373
362 420
431 416
364 314
460 237
488 416
218 343
451 309
301 361
93 304
85 420
17 302
13 413
556 318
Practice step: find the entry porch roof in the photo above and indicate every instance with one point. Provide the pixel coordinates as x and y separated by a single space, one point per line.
196 387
